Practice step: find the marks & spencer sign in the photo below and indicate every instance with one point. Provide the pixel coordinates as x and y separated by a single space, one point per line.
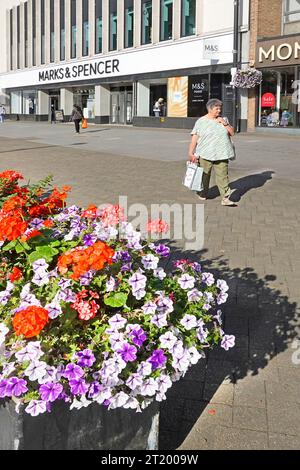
83 71
282 51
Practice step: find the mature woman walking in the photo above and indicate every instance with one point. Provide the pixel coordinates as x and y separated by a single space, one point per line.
76 117
211 144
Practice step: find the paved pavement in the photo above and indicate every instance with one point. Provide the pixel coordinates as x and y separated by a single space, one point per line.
247 398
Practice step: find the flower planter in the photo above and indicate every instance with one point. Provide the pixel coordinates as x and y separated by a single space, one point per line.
92 428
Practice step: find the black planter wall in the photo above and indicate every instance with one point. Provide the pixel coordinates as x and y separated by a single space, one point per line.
91 428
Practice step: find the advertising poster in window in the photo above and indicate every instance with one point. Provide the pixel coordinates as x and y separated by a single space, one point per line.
177 96
197 95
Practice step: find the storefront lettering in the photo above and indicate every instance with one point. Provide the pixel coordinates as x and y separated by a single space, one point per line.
89 70
284 51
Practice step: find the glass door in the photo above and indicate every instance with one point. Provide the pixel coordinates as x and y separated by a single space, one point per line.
121 107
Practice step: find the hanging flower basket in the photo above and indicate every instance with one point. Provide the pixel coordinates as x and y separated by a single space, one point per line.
87 316
248 78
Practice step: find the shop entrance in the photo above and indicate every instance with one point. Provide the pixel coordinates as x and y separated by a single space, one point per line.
53 106
121 106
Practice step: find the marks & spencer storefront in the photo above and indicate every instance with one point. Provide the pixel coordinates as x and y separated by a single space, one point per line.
279 97
122 88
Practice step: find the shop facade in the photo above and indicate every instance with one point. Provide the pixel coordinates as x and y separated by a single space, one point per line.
122 88
278 101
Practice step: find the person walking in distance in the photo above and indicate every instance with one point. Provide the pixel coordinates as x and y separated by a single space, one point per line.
211 144
76 117
2 113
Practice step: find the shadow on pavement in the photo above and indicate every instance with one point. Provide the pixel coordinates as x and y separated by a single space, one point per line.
263 321
29 148
243 185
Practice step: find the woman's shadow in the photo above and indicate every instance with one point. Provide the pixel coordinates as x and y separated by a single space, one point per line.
242 185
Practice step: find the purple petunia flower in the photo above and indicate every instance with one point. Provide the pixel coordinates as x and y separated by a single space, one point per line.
40 264
208 279
73 371
36 407
150 261
149 308
16 387
86 278
189 322
137 281
157 359
3 387
222 298
127 352
186 281
86 358
95 389
228 341
125 256
37 224
78 386
89 239
50 391
138 336
162 250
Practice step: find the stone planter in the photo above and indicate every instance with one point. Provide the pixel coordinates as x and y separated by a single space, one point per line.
92 428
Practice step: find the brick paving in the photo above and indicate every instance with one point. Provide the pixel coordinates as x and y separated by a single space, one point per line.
247 398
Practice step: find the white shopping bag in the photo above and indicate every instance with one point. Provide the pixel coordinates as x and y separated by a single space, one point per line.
193 177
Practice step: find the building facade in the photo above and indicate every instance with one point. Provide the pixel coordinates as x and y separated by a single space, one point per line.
275 50
116 58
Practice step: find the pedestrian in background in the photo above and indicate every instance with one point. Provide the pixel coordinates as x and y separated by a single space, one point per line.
53 115
157 109
76 117
2 113
211 144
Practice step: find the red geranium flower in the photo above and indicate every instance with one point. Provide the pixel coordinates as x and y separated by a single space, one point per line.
30 321
15 275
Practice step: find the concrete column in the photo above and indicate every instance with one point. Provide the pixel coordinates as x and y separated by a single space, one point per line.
47 32
8 40
15 42
120 28
92 27
105 16
68 29
79 28
57 31
38 32
22 37
29 6
102 104
143 98
42 103
155 21
176 19
199 17
66 101
137 23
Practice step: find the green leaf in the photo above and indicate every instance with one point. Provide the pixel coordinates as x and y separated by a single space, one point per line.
10 246
115 300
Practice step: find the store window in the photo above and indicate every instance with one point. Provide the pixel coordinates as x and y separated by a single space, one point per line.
276 107
85 28
11 27
42 31
113 25
158 92
166 19
146 22
29 102
188 17
85 98
18 37
291 18
52 32
62 30
129 23
33 15
26 34
98 26
73 29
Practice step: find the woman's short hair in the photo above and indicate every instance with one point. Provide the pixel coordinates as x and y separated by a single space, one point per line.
212 103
